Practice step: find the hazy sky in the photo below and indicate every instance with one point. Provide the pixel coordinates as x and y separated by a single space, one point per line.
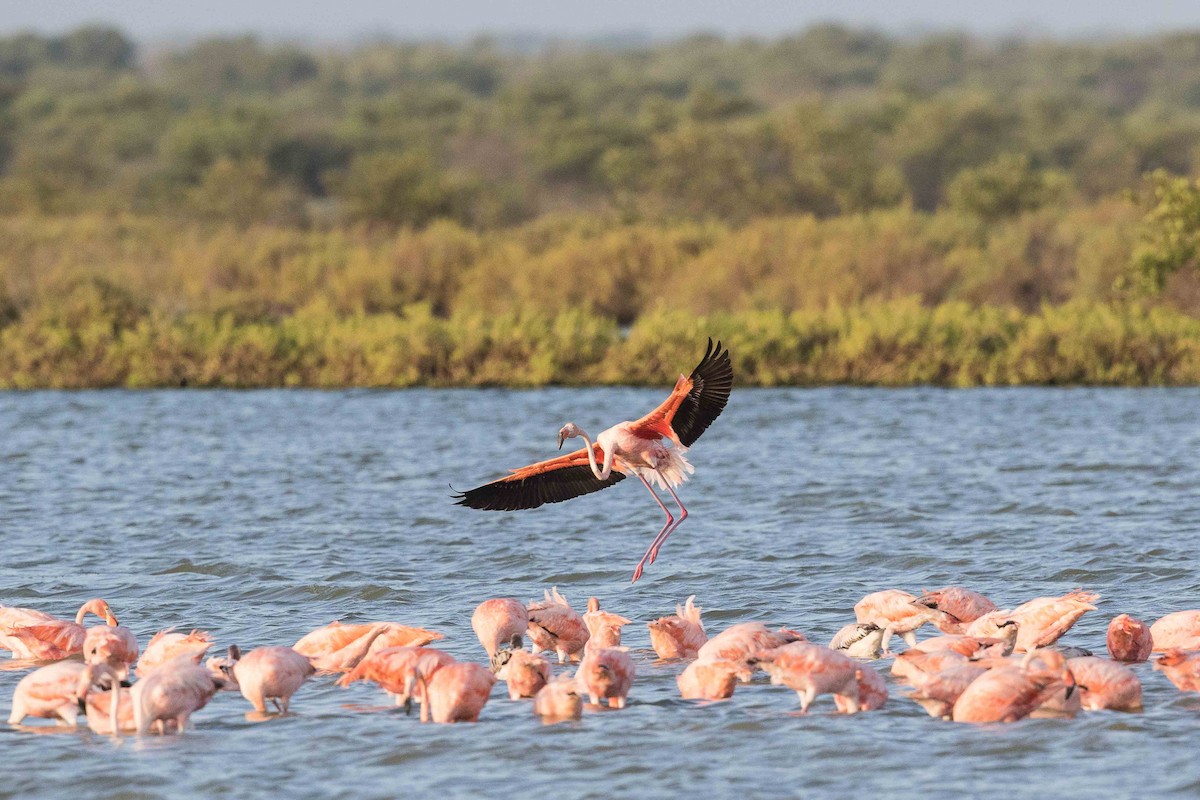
347 19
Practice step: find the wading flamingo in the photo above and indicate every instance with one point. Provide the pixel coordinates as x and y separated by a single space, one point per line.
604 627
711 680
167 645
1106 684
1177 631
559 701
48 693
1182 668
628 448
963 606
739 643
554 625
1042 621
811 670
109 710
456 692
937 692
1129 639
171 694
36 635
680 636
1009 693
331 638
500 625
395 670
272 673
525 674
606 673
114 645
896 612
872 692
859 640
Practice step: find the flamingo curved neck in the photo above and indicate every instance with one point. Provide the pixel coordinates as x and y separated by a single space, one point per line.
601 473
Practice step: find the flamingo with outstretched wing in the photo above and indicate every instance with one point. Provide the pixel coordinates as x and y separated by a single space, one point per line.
639 448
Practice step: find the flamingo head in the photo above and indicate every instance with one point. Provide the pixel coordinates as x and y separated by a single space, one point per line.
568 431
99 608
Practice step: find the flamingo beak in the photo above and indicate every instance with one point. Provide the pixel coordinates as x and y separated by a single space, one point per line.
1069 679
562 437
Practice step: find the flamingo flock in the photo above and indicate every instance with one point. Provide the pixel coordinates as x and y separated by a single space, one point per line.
982 665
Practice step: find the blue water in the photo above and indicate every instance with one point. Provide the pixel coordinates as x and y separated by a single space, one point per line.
261 515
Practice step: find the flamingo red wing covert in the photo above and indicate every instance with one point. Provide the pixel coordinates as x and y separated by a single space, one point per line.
694 403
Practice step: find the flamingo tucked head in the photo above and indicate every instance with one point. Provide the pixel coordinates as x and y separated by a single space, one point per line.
568 431
99 608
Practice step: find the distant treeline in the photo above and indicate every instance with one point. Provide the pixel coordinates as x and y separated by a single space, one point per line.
842 206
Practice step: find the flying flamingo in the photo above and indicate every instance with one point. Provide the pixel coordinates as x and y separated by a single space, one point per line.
627 448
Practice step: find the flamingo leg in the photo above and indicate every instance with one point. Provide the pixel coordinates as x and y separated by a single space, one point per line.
667 531
637 572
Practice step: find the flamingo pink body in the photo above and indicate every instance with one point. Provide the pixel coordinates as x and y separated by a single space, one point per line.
328 640
49 693
103 716
650 449
680 636
500 625
1182 668
1012 692
606 673
113 645
962 605
812 670
456 693
395 670
272 673
171 694
35 635
555 626
910 665
872 692
711 680
741 642
167 645
604 628
347 658
1178 631
938 691
525 674
1106 684
1044 620
559 701
1129 639
895 612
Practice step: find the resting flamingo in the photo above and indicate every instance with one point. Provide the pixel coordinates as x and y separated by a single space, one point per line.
628 448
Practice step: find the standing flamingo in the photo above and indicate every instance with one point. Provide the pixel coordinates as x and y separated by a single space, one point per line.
627 448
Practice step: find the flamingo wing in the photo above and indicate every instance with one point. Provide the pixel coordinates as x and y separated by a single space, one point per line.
695 402
550 481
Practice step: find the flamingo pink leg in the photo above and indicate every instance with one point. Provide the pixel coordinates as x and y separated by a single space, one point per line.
637 572
667 531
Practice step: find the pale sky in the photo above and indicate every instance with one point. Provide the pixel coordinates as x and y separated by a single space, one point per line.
341 20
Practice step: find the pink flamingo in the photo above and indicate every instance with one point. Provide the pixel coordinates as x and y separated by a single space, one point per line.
168 697
1178 631
109 711
554 625
114 645
896 612
559 701
49 693
962 605
35 635
500 625
635 448
347 658
1106 684
872 692
910 665
1042 621
739 643
272 673
859 640
1182 668
1009 693
974 646
606 673
525 674
937 692
680 636
1129 639
395 670
604 627
167 645
711 680
812 670
456 692
335 637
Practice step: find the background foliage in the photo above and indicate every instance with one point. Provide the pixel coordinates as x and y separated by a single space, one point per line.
842 205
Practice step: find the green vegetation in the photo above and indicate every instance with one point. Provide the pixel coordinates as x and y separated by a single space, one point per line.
840 206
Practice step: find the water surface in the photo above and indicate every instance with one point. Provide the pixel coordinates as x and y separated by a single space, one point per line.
262 515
